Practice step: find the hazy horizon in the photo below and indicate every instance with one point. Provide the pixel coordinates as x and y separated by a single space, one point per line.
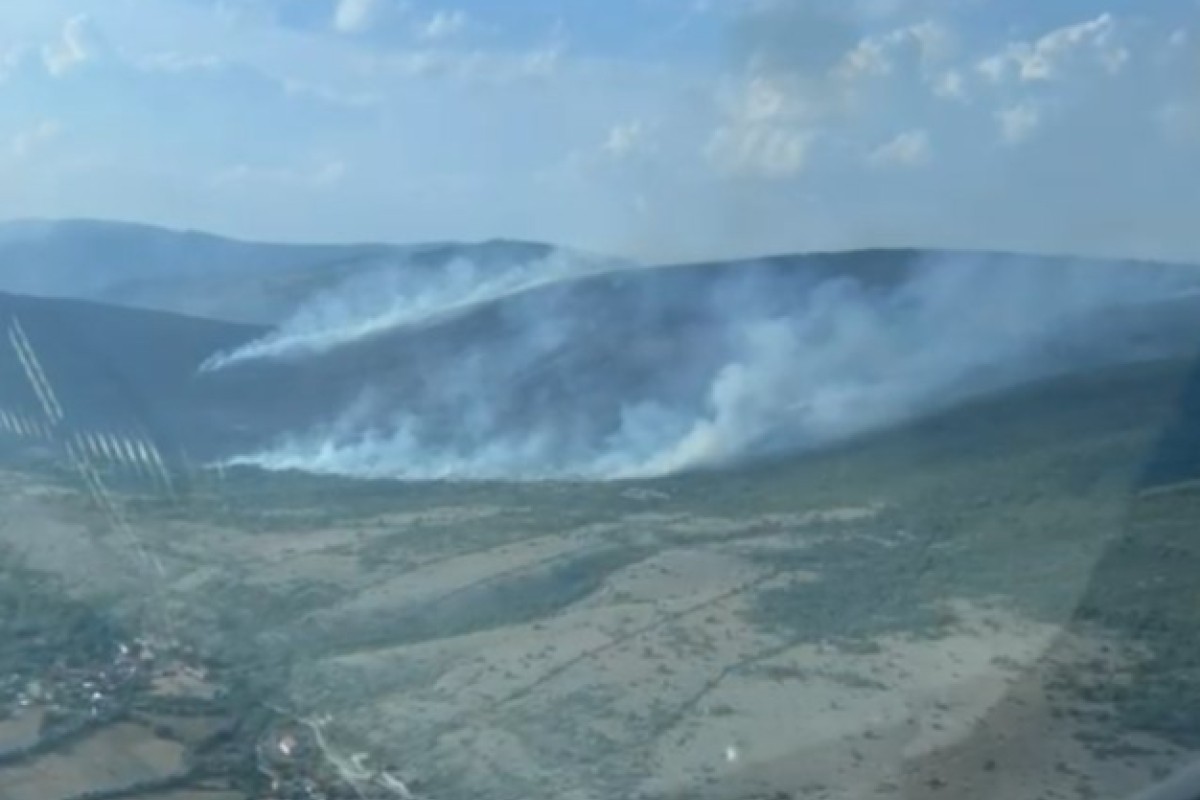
663 130
734 256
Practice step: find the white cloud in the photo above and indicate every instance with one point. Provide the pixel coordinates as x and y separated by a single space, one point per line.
540 62
1046 58
331 96
27 141
771 122
442 25
921 53
908 149
179 62
1114 59
473 65
1180 122
1018 122
934 42
763 150
354 16
10 59
767 128
327 174
876 56
764 100
993 68
626 139
869 58
794 121
78 43
319 176
950 85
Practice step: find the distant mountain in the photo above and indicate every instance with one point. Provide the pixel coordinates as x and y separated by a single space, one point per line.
208 276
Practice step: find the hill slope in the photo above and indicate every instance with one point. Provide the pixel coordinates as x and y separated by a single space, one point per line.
208 276
625 373
636 372
983 603
994 599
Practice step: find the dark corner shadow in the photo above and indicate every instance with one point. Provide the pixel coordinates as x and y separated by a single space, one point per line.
1144 589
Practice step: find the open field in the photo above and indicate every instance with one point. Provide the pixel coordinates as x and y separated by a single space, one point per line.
995 602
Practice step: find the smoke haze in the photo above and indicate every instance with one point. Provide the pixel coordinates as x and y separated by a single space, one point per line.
656 371
388 298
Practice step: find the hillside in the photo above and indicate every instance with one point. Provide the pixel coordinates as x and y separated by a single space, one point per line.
961 606
203 275
121 371
633 372
617 374
945 550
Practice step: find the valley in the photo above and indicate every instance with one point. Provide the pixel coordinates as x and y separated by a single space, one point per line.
798 527
952 607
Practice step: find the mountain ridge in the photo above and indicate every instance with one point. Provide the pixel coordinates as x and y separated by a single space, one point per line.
203 274
618 373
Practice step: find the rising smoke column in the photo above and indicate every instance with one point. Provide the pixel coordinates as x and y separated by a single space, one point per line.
401 295
772 360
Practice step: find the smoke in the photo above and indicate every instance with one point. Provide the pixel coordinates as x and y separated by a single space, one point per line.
658 371
399 295
849 362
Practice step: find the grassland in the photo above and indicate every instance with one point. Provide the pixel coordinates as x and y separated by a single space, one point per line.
997 602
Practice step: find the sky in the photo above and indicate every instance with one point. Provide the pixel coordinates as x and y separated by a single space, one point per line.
655 129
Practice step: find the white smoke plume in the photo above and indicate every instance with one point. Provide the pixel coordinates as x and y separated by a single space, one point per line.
400 295
770 367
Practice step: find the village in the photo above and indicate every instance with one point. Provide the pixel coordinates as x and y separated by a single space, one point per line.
88 713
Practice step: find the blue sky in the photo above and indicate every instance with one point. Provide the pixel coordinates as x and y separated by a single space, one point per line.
660 129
